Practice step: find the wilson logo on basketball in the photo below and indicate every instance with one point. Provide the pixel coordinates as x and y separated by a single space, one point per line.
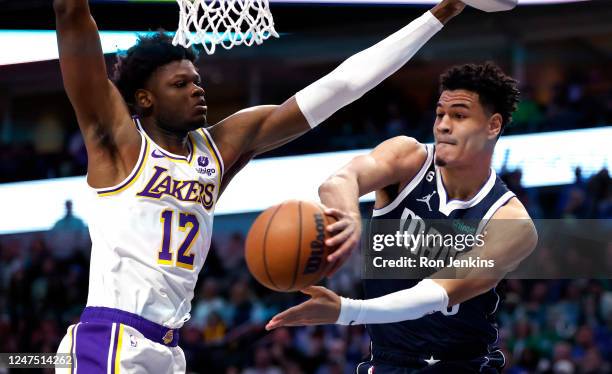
317 247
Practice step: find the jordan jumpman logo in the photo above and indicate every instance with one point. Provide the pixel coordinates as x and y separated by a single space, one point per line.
426 199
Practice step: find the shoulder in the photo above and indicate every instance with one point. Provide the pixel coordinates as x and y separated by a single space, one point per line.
401 150
402 142
513 209
241 120
514 219
393 156
231 133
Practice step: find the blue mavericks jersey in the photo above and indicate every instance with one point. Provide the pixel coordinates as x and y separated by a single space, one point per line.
469 324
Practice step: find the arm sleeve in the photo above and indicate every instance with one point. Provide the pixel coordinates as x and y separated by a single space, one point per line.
365 70
426 297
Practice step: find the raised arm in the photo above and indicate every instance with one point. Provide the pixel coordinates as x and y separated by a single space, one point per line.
395 160
100 109
259 129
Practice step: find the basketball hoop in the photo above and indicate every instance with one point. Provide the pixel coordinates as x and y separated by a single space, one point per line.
223 22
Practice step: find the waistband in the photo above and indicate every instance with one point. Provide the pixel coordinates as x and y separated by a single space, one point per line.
151 330
422 359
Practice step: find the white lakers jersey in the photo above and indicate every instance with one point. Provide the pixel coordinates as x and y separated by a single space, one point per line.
151 233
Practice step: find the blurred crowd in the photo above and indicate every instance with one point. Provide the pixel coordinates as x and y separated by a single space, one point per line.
546 326
53 147
585 198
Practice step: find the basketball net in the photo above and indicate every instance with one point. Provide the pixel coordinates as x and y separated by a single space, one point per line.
223 22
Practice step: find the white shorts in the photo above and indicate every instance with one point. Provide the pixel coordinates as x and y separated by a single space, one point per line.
105 347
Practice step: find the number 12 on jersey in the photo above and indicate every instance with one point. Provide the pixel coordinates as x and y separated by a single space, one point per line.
187 223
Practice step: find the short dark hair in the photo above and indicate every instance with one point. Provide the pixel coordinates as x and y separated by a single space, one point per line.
497 91
134 67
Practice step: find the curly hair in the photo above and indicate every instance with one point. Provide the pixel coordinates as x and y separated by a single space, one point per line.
134 67
498 92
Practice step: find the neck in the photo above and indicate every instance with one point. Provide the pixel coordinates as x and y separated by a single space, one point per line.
171 141
463 183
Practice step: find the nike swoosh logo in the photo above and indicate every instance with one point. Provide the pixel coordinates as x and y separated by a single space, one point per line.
157 154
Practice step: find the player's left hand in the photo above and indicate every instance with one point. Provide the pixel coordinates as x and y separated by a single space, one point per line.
346 233
322 308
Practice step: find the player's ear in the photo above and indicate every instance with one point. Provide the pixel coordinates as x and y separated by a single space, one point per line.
144 99
494 126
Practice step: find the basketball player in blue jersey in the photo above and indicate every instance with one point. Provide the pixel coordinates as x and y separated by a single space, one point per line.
156 170
431 325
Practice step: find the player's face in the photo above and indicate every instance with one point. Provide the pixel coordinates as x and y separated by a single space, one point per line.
464 132
179 103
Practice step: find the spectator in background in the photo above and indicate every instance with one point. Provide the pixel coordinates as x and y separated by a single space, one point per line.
69 222
263 363
233 252
314 348
561 113
209 302
68 234
599 188
193 347
244 309
215 329
528 116
584 341
574 197
592 363
284 352
562 361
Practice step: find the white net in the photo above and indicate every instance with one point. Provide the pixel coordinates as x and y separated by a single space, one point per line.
224 22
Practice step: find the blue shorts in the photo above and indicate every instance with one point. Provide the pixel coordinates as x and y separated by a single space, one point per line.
491 363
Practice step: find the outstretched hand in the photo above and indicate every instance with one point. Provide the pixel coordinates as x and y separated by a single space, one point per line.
322 308
346 233
448 9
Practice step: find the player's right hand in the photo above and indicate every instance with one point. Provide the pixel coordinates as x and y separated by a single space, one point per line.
346 233
322 308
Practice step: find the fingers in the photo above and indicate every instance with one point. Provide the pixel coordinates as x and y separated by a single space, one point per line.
322 308
285 318
336 213
313 290
337 226
274 325
340 237
340 256
297 315
344 251
300 315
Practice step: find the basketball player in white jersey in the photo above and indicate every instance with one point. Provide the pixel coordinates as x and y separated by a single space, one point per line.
156 170
431 325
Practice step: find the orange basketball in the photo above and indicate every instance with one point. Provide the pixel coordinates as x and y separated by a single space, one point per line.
285 248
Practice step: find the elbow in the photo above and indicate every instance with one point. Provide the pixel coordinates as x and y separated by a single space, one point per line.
333 182
326 186
530 235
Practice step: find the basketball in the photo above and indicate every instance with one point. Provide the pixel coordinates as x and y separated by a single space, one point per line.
492 5
285 247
